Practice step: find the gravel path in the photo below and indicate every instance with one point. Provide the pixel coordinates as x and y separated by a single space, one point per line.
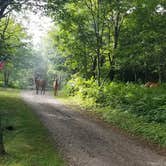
84 142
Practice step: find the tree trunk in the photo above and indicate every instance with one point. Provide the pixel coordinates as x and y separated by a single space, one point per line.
135 76
159 74
6 78
98 67
146 72
98 44
2 149
94 64
115 46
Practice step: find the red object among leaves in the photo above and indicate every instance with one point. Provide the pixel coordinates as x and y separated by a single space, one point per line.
2 64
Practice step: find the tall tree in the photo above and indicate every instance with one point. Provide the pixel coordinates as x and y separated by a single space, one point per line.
103 36
7 6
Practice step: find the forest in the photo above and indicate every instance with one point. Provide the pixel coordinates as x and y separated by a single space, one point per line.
102 52
111 40
105 40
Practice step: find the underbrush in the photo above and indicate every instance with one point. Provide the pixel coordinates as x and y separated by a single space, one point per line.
133 107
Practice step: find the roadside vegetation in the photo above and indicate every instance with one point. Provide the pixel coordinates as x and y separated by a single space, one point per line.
135 108
26 141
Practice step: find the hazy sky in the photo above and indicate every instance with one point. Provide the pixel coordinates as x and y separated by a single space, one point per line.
36 25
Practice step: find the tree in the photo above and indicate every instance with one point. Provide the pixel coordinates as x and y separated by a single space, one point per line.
11 39
92 25
12 36
7 6
101 36
142 41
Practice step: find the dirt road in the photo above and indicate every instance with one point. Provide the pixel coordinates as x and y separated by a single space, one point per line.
84 142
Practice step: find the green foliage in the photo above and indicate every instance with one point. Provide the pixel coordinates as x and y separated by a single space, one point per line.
14 45
6 7
153 132
141 101
136 99
88 90
97 37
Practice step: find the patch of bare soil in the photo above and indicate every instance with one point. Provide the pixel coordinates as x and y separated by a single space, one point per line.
85 142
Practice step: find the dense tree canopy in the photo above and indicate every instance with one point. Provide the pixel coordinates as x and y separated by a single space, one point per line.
7 6
122 40
107 40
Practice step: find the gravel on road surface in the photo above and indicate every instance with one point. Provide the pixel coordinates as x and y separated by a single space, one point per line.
83 141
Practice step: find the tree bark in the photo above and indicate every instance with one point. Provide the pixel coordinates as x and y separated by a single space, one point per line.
2 149
115 46
6 78
159 74
94 64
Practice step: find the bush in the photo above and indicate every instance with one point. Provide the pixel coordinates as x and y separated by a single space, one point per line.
84 89
141 101
149 103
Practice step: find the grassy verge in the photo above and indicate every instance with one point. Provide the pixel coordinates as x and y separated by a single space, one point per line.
151 131
28 144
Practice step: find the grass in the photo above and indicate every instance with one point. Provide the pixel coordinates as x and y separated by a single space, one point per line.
28 144
153 132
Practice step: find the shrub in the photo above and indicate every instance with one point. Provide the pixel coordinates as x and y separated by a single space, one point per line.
147 102
140 101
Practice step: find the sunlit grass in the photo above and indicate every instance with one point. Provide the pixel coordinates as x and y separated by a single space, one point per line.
29 143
